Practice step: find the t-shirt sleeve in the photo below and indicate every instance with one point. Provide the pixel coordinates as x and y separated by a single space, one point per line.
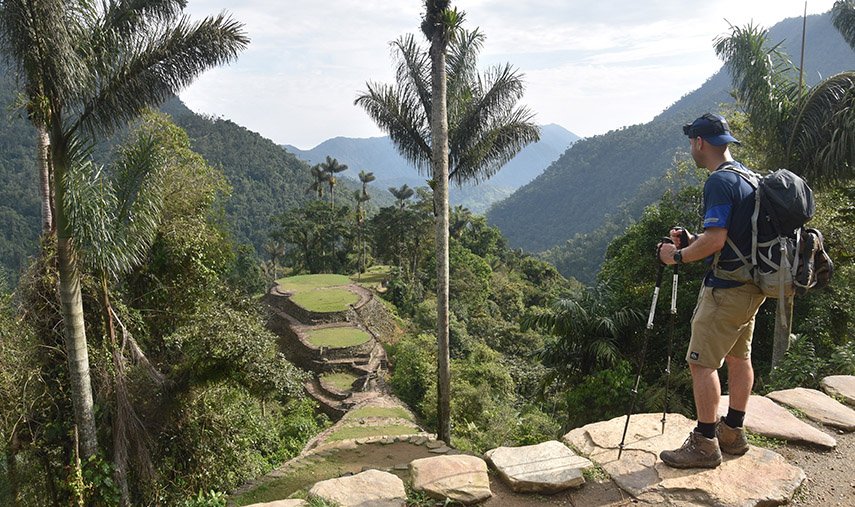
718 202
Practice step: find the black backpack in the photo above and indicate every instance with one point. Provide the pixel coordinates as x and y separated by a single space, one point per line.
785 258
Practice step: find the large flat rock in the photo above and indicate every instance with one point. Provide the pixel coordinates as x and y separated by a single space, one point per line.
461 478
767 418
547 467
842 386
760 477
371 488
817 406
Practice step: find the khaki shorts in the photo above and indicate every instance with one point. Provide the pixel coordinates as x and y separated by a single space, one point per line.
723 324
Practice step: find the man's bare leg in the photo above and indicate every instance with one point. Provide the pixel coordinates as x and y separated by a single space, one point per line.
740 380
707 391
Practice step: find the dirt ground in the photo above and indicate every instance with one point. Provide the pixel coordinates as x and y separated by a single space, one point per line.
830 475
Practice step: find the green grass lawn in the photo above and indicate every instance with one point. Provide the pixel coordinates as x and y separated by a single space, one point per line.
379 412
306 282
339 380
391 430
338 337
325 300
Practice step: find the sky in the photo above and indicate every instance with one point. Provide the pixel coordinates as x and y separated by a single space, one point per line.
589 66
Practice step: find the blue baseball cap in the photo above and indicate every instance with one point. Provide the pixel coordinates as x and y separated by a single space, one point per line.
712 127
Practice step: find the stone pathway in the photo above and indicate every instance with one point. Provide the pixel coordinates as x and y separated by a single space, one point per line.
841 386
817 406
760 477
767 418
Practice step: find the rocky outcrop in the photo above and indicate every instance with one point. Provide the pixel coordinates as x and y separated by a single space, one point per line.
760 477
769 419
371 488
460 478
547 467
281 503
817 406
840 386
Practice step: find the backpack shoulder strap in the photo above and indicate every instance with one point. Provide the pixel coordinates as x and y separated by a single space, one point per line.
752 179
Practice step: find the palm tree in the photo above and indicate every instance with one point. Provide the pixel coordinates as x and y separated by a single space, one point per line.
402 194
96 66
588 334
319 181
486 128
331 167
808 129
114 216
365 178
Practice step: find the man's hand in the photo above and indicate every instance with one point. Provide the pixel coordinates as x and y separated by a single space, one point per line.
666 253
680 236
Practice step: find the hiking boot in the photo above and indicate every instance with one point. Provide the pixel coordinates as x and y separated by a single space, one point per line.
731 440
697 451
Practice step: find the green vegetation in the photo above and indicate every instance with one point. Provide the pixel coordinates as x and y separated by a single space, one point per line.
306 282
373 277
341 381
338 337
325 300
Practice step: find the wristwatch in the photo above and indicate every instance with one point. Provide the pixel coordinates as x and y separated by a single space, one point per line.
678 257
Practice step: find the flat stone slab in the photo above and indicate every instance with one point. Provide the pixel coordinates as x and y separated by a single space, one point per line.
817 406
281 503
842 386
371 488
548 467
767 418
461 478
760 477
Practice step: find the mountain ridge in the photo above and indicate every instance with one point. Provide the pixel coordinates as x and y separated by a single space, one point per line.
601 172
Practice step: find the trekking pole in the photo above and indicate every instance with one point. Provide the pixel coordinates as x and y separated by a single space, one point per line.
684 242
643 348
675 281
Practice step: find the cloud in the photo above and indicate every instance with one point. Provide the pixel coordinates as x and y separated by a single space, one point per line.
588 64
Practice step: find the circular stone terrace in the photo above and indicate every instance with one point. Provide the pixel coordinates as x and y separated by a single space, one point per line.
323 293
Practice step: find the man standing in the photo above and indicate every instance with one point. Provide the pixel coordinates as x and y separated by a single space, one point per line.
723 322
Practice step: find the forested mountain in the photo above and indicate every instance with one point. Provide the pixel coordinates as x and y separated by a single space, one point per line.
20 211
265 178
378 155
597 174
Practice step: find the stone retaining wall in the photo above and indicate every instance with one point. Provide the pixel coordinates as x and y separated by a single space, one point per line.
375 317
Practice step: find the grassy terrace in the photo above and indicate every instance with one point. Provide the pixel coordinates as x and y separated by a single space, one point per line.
338 337
341 381
396 412
301 283
325 300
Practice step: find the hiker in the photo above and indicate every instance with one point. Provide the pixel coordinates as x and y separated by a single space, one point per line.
723 322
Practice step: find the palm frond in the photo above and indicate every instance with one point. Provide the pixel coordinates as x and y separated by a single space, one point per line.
494 146
462 63
843 17
127 16
761 77
154 66
397 112
822 143
413 68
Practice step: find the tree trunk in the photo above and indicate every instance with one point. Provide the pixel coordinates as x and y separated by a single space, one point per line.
439 161
72 308
783 329
43 163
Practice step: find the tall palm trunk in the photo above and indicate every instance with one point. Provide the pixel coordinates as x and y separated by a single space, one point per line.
72 306
439 160
43 162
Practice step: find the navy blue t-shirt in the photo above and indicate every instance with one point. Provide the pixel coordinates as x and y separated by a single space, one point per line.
728 203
